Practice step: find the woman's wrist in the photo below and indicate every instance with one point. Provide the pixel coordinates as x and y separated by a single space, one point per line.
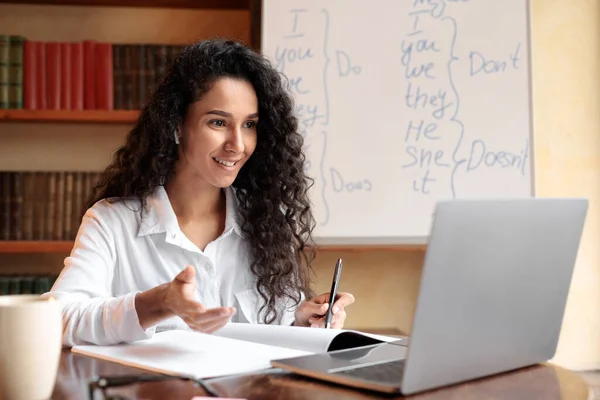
151 307
298 320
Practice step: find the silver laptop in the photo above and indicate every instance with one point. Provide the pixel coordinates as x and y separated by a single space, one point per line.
492 297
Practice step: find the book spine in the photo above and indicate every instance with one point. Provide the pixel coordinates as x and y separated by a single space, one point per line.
128 77
78 202
160 62
15 79
5 204
40 76
104 76
29 75
39 209
135 76
53 75
59 206
142 75
68 208
89 75
16 198
149 72
50 206
4 71
65 76
28 204
118 77
77 76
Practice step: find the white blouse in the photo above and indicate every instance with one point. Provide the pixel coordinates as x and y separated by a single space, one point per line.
118 254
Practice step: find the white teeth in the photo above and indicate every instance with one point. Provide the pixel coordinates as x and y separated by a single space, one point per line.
226 163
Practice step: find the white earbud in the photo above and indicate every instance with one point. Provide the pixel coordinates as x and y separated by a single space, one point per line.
176 137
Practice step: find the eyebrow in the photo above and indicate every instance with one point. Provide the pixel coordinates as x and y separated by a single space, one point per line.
228 115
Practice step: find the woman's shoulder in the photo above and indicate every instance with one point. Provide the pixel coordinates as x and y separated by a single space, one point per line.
116 208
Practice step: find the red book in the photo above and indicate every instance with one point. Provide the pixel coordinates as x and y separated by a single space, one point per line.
89 75
65 74
104 76
77 76
53 75
40 72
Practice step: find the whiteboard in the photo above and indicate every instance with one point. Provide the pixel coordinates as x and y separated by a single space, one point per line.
402 103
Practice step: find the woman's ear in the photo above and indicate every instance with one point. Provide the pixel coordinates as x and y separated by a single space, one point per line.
177 133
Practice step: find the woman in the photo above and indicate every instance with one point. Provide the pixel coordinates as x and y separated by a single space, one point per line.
203 217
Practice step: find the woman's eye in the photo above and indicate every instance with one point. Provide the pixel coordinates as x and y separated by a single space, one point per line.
217 122
250 124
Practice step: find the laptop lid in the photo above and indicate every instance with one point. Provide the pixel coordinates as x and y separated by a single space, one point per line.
494 287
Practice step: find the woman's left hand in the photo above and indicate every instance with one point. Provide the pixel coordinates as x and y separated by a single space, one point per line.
312 312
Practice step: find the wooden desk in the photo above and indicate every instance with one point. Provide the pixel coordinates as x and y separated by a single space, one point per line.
544 382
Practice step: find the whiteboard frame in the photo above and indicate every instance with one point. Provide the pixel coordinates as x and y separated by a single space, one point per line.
258 40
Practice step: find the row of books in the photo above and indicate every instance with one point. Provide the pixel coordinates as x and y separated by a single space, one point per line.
26 284
86 75
43 205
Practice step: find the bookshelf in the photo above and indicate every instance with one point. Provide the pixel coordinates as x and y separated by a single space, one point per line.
83 116
134 25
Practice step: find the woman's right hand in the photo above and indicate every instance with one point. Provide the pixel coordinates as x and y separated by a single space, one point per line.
179 299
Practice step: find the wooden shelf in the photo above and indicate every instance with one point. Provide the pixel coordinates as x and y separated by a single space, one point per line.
197 4
26 246
94 116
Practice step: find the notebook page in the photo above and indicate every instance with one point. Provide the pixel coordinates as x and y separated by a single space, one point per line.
313 340
187 353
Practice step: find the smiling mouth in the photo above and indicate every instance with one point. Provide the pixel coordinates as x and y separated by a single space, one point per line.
225 163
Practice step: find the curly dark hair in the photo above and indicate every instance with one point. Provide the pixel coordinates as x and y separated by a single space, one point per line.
272 187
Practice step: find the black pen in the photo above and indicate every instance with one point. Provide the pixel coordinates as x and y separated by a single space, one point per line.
333 294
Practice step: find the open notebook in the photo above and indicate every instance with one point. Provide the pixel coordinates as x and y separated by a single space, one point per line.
236 348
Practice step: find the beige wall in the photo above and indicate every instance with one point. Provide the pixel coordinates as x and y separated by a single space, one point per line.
566 50
566 76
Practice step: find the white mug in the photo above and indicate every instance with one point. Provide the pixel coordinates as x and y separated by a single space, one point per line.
30 346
